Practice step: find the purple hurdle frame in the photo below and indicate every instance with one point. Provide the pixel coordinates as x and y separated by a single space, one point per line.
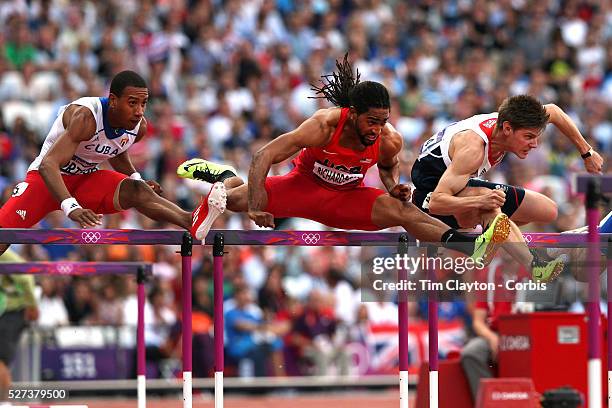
186 251
141 270
593 309
67 236
259 237
609 287
402 316
218 251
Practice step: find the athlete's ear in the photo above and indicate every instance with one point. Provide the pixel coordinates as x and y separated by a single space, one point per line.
112 100
507 128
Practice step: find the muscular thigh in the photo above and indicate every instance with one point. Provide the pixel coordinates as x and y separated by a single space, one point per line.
535 207
97 190
514 195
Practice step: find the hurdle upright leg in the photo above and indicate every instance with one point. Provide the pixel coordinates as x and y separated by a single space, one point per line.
141 378
186 251
402 315
432 320
609 293
593 311
218 248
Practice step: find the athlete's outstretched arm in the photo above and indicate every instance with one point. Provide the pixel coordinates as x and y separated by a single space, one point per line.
566 125
389 164
466 159
80 125
314 131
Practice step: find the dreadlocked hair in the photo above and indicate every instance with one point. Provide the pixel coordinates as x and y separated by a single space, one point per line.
343 89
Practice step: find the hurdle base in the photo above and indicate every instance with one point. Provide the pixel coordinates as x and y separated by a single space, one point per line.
142 391
403 386
218 389
594 376
187 389
433 389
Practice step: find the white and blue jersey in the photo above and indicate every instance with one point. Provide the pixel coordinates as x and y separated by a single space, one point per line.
106 143
434 159
434 156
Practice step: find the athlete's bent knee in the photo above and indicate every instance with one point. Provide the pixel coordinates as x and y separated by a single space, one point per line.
133 193
550 211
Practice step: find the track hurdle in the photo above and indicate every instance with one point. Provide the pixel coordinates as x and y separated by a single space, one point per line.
68 236
593 186
220 238
238 237
593 194
141 270
402 316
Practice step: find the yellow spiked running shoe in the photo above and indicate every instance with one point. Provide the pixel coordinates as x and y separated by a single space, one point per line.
200 169
487 242
547 271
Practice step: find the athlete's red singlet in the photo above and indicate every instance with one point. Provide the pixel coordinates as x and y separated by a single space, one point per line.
334 166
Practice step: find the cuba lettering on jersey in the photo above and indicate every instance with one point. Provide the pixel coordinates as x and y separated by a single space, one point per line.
434 158
335 166
105 143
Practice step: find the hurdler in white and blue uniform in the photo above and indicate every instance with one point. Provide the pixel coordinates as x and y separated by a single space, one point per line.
107 142
66 174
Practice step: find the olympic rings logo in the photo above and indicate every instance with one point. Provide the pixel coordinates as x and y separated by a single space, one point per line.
90 237
527 238
64 269
310 238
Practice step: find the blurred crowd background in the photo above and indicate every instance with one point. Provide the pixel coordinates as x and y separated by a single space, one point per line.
225 77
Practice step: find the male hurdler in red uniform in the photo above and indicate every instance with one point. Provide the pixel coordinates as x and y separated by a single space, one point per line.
337 146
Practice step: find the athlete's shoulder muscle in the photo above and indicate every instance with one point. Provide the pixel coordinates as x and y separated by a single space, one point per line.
466 151
466 141
319 128
79 122
391 142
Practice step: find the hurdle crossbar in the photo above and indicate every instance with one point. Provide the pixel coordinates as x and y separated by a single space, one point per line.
75 268
582 182
68 236
250 238
139 269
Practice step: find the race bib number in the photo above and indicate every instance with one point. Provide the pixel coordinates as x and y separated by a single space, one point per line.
335 176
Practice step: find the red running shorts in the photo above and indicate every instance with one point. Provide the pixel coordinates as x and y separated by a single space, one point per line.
299 195
31 200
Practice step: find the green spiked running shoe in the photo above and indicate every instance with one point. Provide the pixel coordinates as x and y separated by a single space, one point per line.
542 271
200 169
486 243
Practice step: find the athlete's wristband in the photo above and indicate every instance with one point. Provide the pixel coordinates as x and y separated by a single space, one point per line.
136 176
69 205
588 154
